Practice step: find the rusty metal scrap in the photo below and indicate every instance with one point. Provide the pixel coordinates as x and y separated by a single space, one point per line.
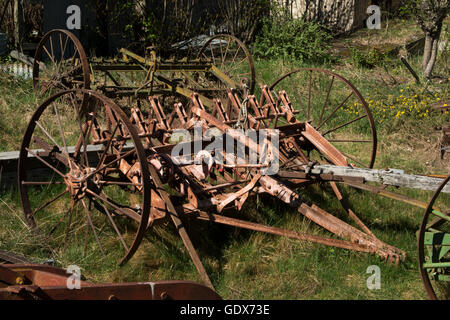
40 282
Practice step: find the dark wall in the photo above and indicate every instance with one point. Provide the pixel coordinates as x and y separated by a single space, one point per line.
55 17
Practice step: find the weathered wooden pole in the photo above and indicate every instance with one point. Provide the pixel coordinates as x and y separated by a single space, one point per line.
17 24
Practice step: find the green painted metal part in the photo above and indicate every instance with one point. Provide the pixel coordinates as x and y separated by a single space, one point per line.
438 247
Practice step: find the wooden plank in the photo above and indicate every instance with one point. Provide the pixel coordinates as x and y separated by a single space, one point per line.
9 165
392 177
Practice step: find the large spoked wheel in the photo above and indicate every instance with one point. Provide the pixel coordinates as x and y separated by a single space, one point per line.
60 63
334 107
231 57
95 193
434 245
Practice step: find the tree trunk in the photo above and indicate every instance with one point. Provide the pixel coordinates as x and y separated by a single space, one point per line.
434 51
427 50
17 24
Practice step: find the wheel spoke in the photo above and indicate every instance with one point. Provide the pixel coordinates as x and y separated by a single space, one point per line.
82 132
326 100
59 222
119 183
72 206
49 202
51 49
49 136
298 96
349 141
39 183
49 55
309 96
110 163
212 53
102 158
45 162
335 110
62 136
88 215
355 160
115 227
345 124
103 198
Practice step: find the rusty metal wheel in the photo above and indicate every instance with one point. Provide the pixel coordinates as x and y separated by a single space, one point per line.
96 180
334 107
434 245
60 63
231 57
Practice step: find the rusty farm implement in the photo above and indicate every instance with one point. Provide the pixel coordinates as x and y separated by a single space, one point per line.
121 166
42 282
222 62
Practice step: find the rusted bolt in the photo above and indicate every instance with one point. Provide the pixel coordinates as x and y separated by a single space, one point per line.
20 280
164 296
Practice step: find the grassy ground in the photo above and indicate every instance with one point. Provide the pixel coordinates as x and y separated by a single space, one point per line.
249 265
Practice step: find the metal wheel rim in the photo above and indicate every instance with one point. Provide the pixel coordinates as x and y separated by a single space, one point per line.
357 94
252 79
420 243
23 156
77 45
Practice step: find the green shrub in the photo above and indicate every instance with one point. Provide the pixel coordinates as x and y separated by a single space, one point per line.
292 39
368 58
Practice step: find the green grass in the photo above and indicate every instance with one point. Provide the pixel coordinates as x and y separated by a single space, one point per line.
250 265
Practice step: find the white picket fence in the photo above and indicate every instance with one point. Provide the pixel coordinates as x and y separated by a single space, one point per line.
18 70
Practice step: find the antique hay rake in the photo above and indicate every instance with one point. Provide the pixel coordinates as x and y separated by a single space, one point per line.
116 172
222 62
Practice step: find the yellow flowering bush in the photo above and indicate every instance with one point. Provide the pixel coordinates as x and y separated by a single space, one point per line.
406 103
